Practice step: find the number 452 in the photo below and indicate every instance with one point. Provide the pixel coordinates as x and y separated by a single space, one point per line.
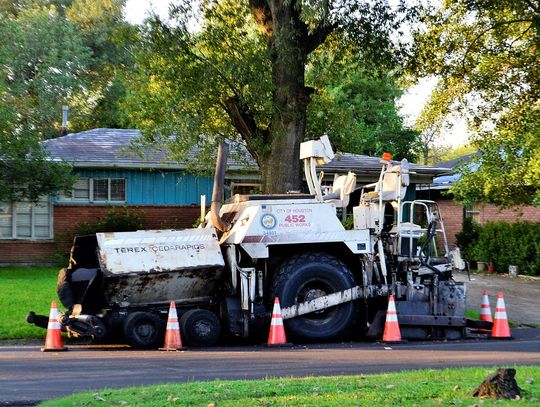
295 218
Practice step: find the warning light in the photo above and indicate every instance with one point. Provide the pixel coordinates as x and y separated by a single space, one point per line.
387 157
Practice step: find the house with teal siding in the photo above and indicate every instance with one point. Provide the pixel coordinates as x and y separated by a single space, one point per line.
164 193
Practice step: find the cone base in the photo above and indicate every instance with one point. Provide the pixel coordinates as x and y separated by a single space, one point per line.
393 342
172 349
501 337
279 345
54 349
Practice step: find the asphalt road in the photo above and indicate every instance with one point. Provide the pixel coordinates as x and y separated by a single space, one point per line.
28 376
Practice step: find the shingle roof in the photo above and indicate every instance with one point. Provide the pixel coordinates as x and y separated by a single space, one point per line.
105 148
102 148
458 161
364 163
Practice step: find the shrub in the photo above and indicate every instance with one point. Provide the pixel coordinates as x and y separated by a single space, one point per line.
506 244
116 220
468 237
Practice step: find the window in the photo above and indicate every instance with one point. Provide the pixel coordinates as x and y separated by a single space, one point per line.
26 220
97 190
473 212
244 188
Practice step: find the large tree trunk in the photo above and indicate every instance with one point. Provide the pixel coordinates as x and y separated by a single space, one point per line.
282 170
281 167
290 43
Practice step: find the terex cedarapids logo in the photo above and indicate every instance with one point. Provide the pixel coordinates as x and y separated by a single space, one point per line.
268 221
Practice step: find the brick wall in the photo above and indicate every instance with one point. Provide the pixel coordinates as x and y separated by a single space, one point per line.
514 214
66 216
25 252
453 216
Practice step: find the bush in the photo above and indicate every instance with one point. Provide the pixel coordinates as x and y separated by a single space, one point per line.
121 220
506 244
468 237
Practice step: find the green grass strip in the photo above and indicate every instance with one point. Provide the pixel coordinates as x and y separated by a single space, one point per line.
23 289
450 387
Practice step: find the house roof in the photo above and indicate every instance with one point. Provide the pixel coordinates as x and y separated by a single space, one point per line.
446 180
464 159
106 148
367 167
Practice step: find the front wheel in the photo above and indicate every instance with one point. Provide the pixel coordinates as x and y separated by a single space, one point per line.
306 277
144 330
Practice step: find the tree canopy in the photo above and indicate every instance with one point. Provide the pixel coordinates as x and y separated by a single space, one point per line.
55 53
355 103
250 69
486 56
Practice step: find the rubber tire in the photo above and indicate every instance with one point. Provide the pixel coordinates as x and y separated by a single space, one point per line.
316 272
200 328
144 330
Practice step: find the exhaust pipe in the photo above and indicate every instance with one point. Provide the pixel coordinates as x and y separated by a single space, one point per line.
217 193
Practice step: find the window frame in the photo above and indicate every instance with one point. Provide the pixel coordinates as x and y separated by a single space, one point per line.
13 214
235 184
472 211
90 199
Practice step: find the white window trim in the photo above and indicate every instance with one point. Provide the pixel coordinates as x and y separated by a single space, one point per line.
32 224
63 198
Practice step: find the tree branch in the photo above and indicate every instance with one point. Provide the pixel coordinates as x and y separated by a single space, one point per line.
243 121
206 61
484 32
318 36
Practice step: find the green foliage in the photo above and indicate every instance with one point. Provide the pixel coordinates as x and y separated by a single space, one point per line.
60 54
486 56
355 104
26 172
25 289
41 70
183 80
508 170
457 152
468 237
507 244
116 220
407 388
348 222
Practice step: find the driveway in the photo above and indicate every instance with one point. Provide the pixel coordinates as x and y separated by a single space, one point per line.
521 295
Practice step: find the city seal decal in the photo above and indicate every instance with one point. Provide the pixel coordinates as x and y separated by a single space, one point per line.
268 221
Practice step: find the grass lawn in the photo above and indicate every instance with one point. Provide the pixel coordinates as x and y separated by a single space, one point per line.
416 388
24 289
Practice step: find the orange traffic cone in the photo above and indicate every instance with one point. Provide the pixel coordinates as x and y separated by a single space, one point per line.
173 341
485 310
501 329
391 326
277 337
53 340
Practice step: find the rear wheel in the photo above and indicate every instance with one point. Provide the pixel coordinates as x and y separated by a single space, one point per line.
200 327
144 330
306 277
